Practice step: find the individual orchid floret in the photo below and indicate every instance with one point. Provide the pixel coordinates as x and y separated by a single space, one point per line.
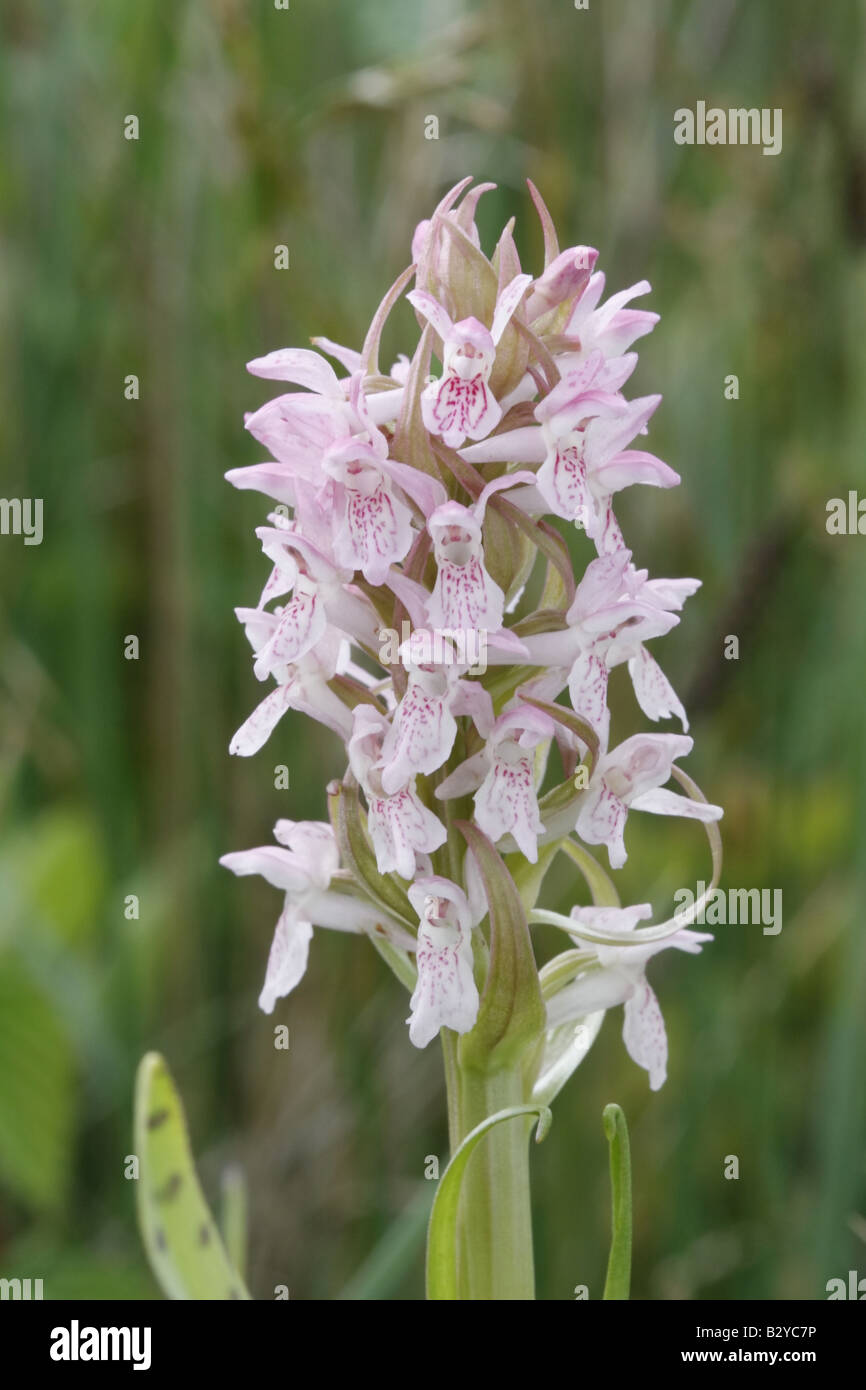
610 327
373 528
302 865
446 995
504 774
614 612
424 727
632 777
322 599
564 279
301 685
400 825
333 465
461 404
583 427
464 597
617 975
587 462
301 624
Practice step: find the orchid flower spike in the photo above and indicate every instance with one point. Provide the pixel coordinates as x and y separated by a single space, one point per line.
420 602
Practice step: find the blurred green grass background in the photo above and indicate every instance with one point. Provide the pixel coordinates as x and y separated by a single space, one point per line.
155 257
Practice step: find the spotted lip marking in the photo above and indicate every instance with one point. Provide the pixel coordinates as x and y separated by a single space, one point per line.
158 1118
171 1188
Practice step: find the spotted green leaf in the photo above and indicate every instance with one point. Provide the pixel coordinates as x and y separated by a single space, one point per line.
183 1243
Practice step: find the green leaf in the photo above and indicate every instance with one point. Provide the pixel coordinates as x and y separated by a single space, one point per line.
182 1240
38 1092
391 1260
233 1216
443 1229
511 1015
618 1282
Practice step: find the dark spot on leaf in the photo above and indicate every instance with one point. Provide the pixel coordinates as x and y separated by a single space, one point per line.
156 1119
159 1238
204 1235
171 1188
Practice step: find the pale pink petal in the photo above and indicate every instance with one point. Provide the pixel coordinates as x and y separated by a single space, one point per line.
374 533
314 844
465 598
562 280
507 303
471 698
587 688
644 1035
420 739
300 366
456 407
255 731
526 445
432 311
596 989
277 866
634 466
667 803
401 826
601 821
465 778
287 961
654 692
347 357
446 995
275 480
506 803
561 480
302 623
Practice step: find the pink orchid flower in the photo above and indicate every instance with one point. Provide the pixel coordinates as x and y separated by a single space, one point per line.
504 774
610 327
446 995
424 724
301 685
303 865
618 976
461 403
400 825
632 777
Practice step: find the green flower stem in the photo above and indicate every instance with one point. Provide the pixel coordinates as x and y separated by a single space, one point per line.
496 1259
